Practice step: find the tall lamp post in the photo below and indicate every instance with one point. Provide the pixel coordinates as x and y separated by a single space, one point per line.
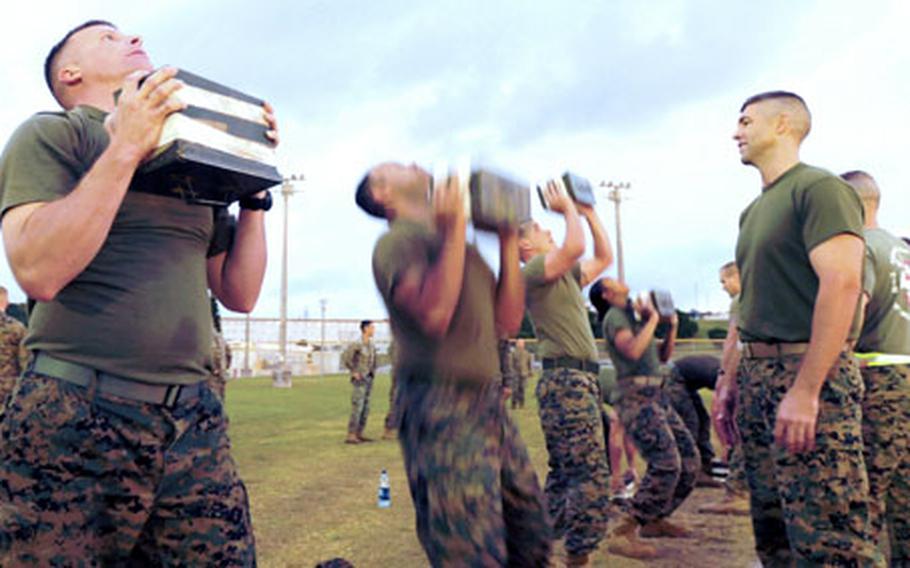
283 373
615 195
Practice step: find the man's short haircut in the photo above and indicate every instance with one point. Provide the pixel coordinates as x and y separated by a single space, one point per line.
595 294
772 95
364 198
365 324
788 98
524 228
51 59
864 185
729 267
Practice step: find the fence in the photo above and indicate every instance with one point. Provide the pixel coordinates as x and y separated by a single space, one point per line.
314 345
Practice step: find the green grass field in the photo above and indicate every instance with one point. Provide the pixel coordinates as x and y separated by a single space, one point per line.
314 498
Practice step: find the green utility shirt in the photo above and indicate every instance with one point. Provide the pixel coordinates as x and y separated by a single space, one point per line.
886 279
558 313
803 208
360 357
647 365
140 308
468 351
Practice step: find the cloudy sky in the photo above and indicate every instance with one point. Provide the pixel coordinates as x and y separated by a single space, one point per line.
640 92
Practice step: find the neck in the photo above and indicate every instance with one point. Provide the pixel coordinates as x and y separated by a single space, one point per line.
101 98
415 212
871 219
777 164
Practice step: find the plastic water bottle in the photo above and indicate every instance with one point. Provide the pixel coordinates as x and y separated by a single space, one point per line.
385 492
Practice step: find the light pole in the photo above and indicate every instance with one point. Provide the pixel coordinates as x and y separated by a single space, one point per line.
283 374
322 304
615 195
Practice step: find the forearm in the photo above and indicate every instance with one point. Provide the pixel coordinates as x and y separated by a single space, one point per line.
669 343
510 292
730 358
641 340
49 244
603 253
244 267
441 286
830 327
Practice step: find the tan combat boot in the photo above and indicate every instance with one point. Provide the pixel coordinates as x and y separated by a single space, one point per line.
625 542
663 528
732 503
574 561
352 438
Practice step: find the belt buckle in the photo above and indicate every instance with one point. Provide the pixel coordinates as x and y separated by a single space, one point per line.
172 395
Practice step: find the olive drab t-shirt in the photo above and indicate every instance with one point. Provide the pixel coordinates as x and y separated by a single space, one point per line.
647 365
803 208
558 313
140 309
886 279
468 352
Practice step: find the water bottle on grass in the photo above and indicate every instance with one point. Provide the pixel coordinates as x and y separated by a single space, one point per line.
385 492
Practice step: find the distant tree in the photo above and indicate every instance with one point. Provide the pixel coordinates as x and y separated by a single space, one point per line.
717 333
688 327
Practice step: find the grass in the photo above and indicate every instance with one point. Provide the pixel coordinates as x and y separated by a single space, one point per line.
313 498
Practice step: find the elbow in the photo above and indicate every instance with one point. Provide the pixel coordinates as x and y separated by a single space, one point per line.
41 289
574 248
243 305
436 324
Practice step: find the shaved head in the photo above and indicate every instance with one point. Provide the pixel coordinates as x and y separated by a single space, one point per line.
791 105
865 186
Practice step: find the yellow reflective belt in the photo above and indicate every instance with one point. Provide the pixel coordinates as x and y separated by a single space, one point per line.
882 359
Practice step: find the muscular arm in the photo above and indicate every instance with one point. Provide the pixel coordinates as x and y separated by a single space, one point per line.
431 295
723 405
669 342
561 260
632 346
235 277
510 293
50 243
838 264
603 254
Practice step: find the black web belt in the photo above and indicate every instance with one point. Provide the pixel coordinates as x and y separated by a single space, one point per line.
107 383
571 363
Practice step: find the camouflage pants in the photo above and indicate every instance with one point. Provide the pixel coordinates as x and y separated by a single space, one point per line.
518 391
393 418
217 384
886 419
691 409
736 479
475 492
7 384
89 481
664 443
577 485
360 404
810 508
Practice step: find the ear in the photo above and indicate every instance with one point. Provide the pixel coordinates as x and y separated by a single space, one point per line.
69 75
782 123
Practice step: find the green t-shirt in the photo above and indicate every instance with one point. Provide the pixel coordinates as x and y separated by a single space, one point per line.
647 365
886 278
140 308
805 207
468 352
558 313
